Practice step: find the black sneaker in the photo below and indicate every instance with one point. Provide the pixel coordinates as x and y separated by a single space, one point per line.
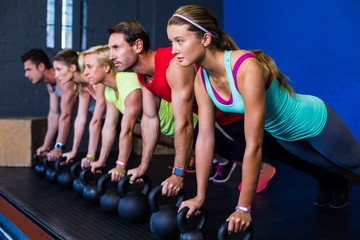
341 194
324 193
334 193
224 172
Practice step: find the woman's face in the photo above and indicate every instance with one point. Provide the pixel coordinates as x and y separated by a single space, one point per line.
94 71
186 47
63 72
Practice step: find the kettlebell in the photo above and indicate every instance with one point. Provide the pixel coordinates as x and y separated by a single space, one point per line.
194 233
109 199
90 190
133 206
77 184
163 222
223 232
50 170
39 168
64 178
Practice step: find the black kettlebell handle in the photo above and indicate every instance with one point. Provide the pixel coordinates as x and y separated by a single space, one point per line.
223 232
182 221
58 165
103 180
86 176
35 160
156 191
47 163
123 185
75 169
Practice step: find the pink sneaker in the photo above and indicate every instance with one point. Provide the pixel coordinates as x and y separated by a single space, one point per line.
267 172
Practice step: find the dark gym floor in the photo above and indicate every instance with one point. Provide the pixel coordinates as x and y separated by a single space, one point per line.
283 211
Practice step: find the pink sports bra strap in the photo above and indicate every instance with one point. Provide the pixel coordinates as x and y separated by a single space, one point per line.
240 61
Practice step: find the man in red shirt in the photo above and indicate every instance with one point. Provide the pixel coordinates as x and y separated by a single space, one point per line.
162 77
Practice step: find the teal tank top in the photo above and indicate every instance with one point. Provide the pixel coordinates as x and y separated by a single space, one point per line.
288 117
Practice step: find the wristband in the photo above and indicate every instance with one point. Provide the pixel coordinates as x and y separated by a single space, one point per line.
118 162
91 156
244 209
59 146
180 172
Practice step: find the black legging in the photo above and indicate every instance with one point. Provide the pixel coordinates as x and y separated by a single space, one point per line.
273 151
335 148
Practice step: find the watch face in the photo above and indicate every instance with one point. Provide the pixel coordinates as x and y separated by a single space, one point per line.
178 172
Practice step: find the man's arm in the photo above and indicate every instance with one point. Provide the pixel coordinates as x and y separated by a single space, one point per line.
52 123
67 103
181 82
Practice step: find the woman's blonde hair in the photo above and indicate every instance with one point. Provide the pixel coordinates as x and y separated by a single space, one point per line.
204 18
102 53
269 64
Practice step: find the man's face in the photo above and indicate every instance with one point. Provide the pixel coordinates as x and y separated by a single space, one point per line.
121 53
34 73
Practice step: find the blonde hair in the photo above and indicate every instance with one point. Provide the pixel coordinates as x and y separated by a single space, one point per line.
269 64
102 53
204 18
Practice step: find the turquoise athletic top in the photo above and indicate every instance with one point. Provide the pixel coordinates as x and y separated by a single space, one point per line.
288 117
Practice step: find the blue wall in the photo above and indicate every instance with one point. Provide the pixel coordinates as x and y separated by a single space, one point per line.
315 43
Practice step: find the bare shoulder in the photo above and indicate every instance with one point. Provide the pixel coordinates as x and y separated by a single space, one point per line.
176 71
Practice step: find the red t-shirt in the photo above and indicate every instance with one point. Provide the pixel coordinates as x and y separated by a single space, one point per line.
159 85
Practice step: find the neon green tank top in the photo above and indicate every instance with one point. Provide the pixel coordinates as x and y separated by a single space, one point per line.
127 82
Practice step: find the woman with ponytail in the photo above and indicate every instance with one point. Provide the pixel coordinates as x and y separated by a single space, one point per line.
243 82
67 64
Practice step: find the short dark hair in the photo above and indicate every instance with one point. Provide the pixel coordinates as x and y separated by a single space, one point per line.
132 30
37 56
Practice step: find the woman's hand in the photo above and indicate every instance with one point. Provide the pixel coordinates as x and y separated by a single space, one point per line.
136 174
238 221
54 154
95 165
194 204
69 156
86 162
117 173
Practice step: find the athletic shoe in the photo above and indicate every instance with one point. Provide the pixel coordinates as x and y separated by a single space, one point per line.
213 169
191 167
335 193
324 193
224 171
341 194
266 174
